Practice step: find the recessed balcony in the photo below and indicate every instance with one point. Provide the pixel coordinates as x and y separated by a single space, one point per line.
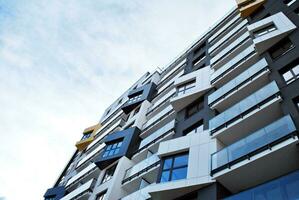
190 87
238 88
253 112
83 192
259 157
146 169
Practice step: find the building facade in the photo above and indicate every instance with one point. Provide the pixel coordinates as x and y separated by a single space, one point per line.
220 122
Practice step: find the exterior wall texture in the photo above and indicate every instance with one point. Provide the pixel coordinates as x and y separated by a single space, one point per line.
221 122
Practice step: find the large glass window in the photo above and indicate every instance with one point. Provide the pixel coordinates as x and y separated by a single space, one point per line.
101 196
112 149
174 168
109 174
182 89
292 73
281 48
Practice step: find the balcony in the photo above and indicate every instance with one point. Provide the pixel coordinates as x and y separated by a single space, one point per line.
141 194
253 112
234 67
147 169
258 157
81 193
86 174
270 30
90 155
239 87
154 123
151 142
190 87
283 188
228 38
233 49
224 29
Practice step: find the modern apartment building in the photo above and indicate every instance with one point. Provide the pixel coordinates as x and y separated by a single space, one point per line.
220 122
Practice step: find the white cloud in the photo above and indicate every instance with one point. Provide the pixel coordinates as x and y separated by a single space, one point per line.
63 62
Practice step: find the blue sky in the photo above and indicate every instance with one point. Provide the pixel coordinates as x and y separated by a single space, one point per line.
63 62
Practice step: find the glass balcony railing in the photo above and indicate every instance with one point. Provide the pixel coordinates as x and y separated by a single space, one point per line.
284 188
156 119
228 36
161 101
230 48
253 143
83 190
233 63
225 27
141 167
160 133
250 103
237 82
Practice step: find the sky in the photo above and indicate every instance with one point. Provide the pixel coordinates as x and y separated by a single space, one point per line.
62 62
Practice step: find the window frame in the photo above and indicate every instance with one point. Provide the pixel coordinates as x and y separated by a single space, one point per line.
290 73
108 177
110 145
264 30
172 167
183 88
86 135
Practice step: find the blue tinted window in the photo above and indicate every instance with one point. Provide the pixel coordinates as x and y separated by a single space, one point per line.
165 176
112 149
178 174
180 161
174 168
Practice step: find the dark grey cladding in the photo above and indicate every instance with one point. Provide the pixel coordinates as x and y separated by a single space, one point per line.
145 92
130 143
56 193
